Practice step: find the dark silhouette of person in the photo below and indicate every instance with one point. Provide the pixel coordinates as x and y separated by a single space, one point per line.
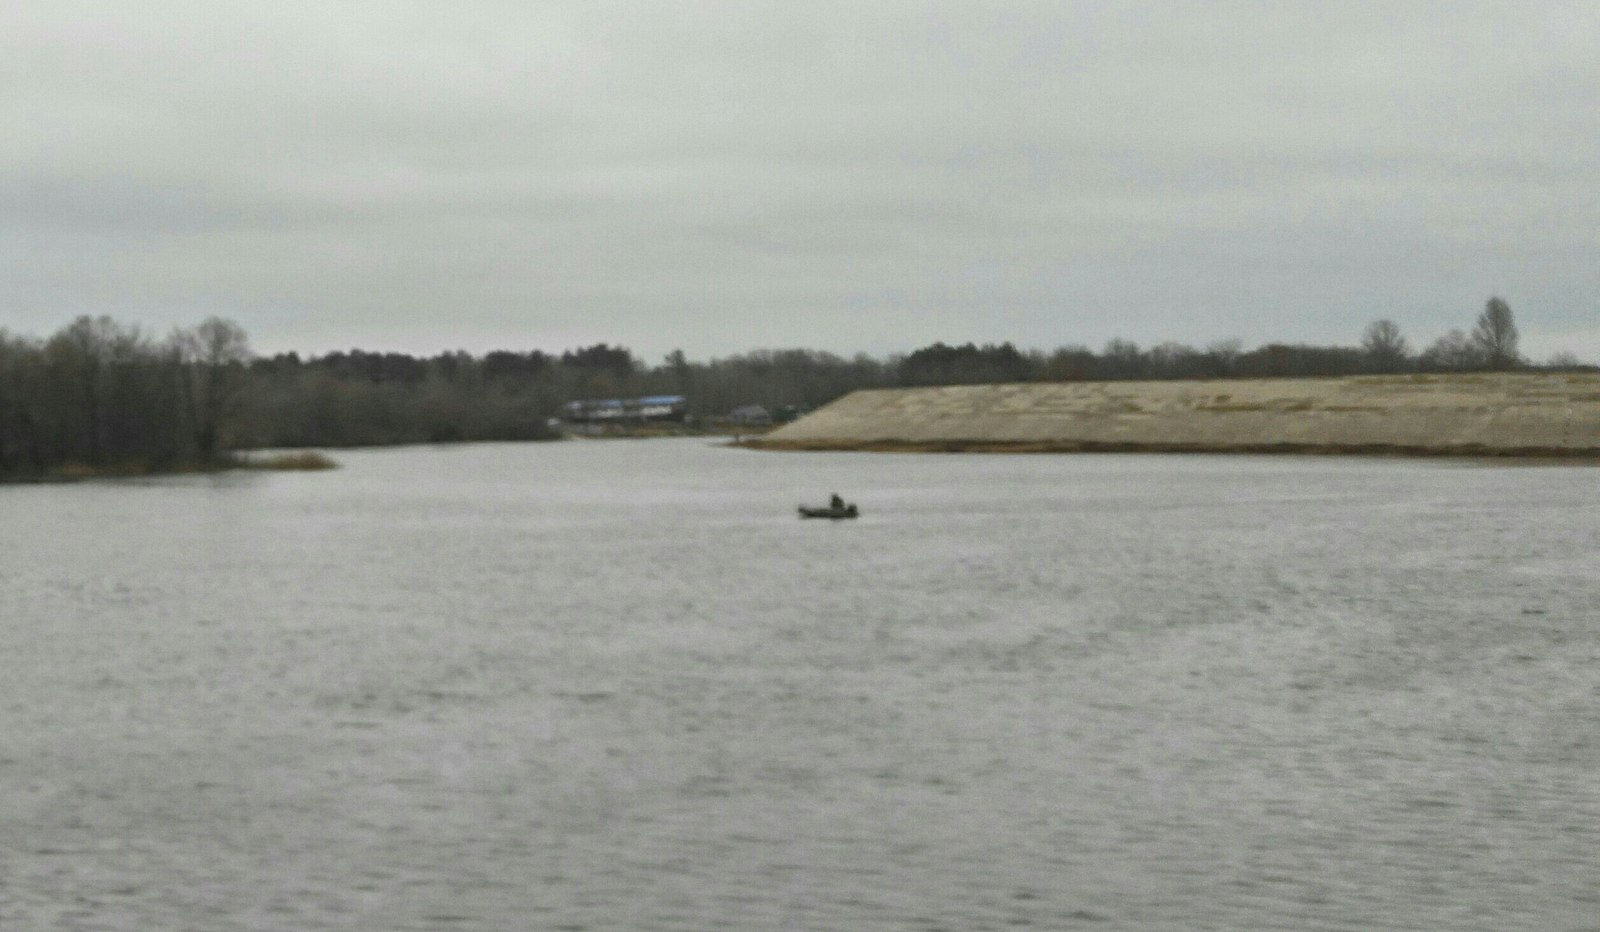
836 501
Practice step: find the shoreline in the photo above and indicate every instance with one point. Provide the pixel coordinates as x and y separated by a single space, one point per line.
1565 455
239 461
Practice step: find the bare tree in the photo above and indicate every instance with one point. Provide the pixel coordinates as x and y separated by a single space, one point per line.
1495 336
1386 348
89 349
1453 351
1224 355
1122 359
212 356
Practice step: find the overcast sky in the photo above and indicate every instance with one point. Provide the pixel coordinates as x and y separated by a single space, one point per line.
849 176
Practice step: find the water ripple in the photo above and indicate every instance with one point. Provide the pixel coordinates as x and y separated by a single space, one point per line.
611 686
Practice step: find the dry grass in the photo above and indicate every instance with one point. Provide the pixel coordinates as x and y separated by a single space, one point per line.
303 460
76 471
73 472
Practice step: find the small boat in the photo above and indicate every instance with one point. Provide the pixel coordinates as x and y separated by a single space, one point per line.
848 511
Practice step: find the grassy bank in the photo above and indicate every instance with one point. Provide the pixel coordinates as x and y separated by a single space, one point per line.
1509 415
133 469
293 461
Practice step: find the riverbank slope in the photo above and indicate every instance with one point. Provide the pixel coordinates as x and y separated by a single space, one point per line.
1469 414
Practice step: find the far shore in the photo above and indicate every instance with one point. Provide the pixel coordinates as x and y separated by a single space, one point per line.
1503 416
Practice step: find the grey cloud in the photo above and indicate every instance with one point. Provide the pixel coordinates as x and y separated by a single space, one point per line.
729 175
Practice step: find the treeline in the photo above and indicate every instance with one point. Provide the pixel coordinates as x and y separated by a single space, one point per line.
364 399
360 398
100 396
1492 344
105 396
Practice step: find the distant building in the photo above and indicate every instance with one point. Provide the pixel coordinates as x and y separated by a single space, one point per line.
750 416
626 410
658 408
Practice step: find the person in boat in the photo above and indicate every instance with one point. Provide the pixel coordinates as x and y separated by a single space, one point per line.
836 503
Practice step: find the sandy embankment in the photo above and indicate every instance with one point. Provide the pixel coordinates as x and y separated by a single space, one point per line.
1489 414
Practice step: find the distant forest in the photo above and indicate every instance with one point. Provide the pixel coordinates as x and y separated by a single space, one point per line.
100 396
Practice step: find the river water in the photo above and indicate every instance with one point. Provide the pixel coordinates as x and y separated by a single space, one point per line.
619 685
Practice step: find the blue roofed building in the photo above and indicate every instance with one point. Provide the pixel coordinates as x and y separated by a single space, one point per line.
626 410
